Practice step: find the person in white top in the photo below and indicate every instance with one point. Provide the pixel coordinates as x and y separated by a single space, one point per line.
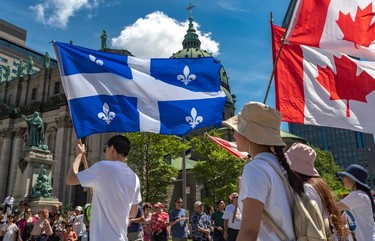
302 159
257 131
8 204
232 219
116 190
358 202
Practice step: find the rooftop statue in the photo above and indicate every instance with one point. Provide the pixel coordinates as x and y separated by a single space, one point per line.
47 61
42 186
7 74
30 66
35 130
20 68
104 40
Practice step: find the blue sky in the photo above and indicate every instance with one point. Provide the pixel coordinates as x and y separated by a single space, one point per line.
236 31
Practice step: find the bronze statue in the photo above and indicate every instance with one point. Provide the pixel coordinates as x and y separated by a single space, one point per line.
42 186
47 61
104 40
20 68
36 130
30 66
7 74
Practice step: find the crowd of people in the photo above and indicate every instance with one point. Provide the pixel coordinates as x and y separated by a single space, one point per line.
21 223
260 209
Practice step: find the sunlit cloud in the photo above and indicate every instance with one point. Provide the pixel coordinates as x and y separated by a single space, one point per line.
158 35
56 13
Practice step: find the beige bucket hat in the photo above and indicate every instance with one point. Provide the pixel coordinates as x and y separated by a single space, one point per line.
259 123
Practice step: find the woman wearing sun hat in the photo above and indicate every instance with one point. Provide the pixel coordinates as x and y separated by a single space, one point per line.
302 159
359 202
257 131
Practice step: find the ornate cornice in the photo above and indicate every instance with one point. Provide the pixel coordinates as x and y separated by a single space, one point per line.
19 132
6 133
64 122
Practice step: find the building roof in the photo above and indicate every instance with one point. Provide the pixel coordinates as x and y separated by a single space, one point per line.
177 163
287 135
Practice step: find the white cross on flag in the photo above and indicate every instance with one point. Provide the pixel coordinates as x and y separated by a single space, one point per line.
116 93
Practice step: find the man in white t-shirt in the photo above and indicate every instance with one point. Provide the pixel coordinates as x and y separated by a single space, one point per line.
232 219
116 190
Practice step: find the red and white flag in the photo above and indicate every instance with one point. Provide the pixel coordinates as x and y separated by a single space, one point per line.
346 26
317 87
230 147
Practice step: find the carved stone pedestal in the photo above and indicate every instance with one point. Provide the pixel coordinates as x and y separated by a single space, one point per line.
30 164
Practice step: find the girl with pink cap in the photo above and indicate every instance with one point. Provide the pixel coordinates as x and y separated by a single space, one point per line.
302 158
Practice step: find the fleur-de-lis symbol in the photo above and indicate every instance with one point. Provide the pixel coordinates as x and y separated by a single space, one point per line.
186 78
97 61
106 115
194 120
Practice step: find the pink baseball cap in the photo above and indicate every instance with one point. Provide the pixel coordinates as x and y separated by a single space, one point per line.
302 158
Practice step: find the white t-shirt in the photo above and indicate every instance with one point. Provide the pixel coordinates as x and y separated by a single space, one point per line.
360 207
11 231
116 188
261 182
228 214
9 200
78 226
313 195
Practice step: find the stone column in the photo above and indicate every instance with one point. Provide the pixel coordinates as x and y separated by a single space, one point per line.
62 155
7 136
16 153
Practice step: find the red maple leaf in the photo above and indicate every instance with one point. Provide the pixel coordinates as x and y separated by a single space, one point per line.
345 84
360 31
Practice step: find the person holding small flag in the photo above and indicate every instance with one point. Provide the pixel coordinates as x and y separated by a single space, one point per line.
116 190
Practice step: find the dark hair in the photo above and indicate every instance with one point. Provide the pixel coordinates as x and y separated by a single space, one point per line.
294 180
218 202
368 193
120 143
179 198
328 202
146 205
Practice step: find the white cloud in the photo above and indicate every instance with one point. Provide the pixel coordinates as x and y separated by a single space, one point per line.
157 35
56 13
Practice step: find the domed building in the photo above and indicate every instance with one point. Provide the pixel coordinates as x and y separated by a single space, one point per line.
192 49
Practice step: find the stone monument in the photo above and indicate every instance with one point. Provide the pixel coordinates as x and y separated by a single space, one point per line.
33 180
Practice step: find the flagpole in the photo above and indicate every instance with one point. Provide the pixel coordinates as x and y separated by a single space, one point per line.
184 174
277 57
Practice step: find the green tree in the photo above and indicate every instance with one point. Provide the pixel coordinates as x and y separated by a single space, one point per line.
146 158
327 168
216 169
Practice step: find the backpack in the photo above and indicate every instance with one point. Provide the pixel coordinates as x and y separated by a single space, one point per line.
308 221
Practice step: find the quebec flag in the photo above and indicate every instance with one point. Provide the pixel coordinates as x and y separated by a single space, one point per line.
115 93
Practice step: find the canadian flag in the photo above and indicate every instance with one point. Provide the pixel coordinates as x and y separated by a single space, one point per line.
318 87
345 26
230 147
